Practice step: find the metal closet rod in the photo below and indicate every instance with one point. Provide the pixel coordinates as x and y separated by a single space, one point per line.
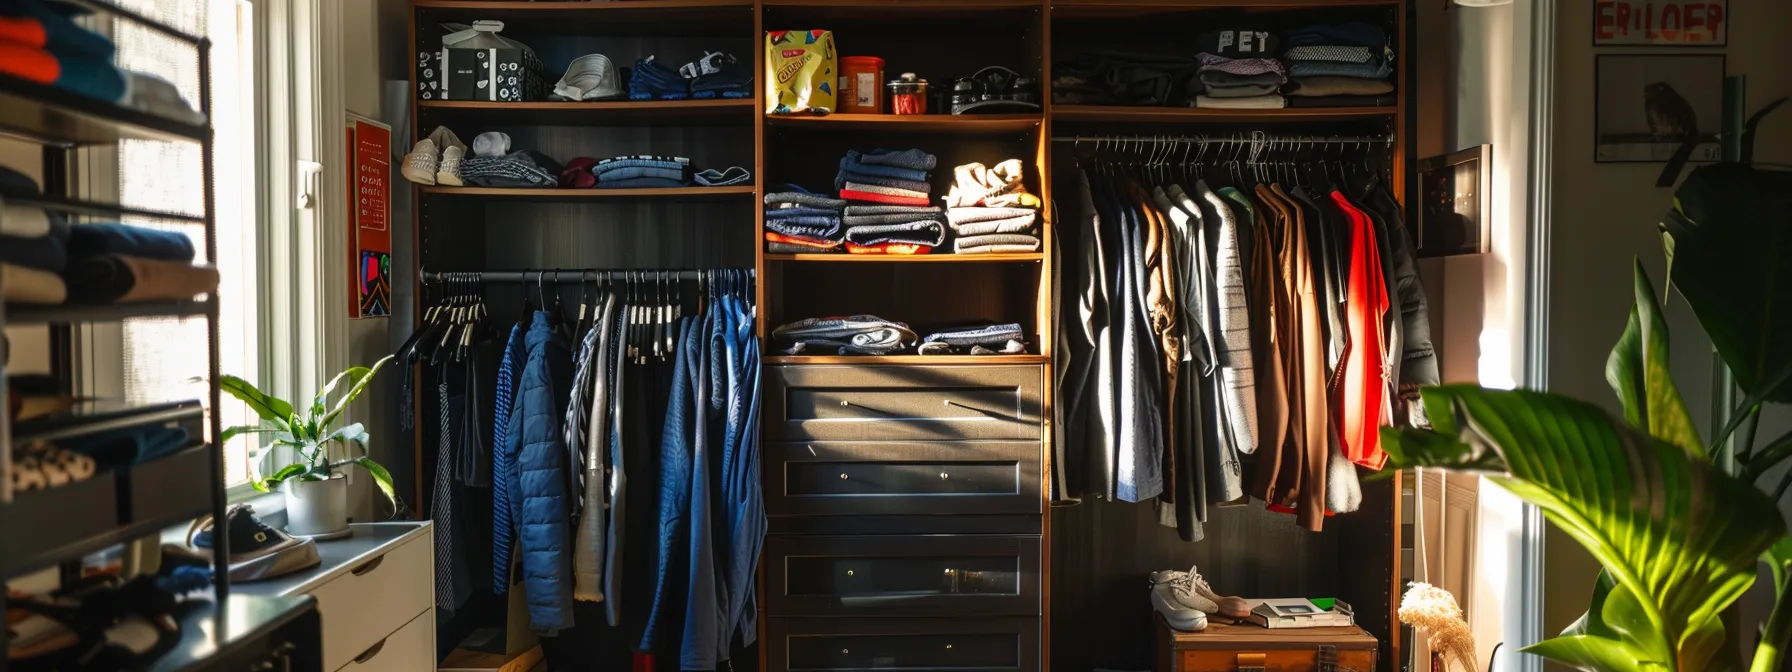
1231 139
562 275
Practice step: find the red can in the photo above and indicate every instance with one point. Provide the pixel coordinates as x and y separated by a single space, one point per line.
860 79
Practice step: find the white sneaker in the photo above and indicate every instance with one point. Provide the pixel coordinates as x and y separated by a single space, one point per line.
449 172
1164 601
1202 595
420 165
1180 591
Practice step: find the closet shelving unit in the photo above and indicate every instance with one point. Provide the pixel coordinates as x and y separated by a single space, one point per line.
1060 569
55 527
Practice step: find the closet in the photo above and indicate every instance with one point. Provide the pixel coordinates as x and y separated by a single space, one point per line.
909 497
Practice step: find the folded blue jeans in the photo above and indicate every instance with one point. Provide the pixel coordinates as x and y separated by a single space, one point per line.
810 227
632 172
790 194
914 159
801 211
711 177
850 163
607 165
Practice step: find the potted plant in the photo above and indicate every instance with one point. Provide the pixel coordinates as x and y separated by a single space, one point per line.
316 489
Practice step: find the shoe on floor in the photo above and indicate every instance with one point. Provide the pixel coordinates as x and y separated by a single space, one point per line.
256 550
1163 600
1200 595
420 165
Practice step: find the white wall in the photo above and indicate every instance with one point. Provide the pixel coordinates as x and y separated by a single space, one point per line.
1603 215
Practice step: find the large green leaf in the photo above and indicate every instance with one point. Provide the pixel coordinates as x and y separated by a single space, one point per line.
1679 537
1729 246
356 433
1638 371
233 432
381 478
269 408
286 472
360 384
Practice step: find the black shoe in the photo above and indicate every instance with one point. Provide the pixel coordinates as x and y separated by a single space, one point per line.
256 550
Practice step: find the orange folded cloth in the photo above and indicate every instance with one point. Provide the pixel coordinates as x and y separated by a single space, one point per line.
889 248
28 63
775 237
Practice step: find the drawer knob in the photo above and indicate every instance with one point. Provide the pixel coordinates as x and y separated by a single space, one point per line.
944 476
846 650
849 572
843 477
948 646
844 403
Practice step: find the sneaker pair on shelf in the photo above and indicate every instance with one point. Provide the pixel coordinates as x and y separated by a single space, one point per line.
1185 600
257 551
435 159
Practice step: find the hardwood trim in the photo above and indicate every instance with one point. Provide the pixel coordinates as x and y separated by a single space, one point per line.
909 258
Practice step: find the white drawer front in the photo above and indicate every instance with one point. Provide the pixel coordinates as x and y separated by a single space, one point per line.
362 607
411 649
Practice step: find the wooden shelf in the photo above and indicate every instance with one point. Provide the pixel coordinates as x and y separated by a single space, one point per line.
589 194
909 258
906 359
1191 115
912 123
686 18
597 113
1128 8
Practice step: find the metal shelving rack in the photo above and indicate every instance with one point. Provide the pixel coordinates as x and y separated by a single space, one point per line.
47 528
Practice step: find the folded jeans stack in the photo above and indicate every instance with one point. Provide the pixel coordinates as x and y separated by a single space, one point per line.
642 171
798 221
886 177
855 335
995 339
1342 65
893 229
896 215
990 210
117 263
1238 83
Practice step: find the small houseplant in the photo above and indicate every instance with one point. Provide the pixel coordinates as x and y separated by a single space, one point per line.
316 489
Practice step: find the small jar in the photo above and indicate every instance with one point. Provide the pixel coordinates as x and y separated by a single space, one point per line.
908 95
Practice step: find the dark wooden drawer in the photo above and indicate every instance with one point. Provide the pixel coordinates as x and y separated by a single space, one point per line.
839 644
890 403
842 478
933 575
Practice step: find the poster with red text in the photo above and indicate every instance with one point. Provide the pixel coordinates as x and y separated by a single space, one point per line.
1661 23
370 214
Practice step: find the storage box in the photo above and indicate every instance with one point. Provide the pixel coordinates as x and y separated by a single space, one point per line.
478 64
1225 647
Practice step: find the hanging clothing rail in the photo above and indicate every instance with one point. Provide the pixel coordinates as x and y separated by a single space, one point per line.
576 275
1232 139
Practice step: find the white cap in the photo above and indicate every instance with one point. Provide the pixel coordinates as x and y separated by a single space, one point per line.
591 77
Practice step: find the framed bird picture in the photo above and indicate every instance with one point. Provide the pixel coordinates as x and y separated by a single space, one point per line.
1655 108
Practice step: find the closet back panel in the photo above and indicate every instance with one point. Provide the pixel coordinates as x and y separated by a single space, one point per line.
629 233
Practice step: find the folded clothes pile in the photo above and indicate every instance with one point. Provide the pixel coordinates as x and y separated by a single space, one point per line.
855 335
641 171
714 75
798 221
1342 65
33 246
1238 83
995 339
116 263
1120 78
990 210
40 42
890 209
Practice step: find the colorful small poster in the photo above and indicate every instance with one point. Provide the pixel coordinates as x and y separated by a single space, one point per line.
1661 23
370 231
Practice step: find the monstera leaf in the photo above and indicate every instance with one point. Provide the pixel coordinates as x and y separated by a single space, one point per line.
1729 247
1679 537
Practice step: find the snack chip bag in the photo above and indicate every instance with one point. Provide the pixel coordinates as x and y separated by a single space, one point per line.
800 71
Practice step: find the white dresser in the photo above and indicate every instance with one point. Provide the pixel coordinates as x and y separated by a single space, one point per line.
376 593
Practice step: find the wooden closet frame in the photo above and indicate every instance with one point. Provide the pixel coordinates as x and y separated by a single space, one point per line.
1122 120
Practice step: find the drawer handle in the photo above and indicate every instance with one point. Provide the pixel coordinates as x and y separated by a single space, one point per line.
987 413
1252 662
370 653
368 566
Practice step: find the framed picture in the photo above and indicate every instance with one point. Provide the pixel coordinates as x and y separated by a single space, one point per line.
1648 105
1455 203
1661 23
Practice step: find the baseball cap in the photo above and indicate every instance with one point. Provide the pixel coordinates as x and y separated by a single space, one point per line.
589 77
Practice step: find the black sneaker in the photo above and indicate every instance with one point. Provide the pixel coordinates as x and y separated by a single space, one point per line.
256 550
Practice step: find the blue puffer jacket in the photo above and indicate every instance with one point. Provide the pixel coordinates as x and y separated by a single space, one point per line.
538 481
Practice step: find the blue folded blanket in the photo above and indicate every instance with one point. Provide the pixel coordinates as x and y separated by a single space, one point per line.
92 240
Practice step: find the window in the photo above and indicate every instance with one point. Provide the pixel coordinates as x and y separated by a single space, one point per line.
157 359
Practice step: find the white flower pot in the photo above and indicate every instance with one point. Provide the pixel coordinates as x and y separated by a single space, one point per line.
315 508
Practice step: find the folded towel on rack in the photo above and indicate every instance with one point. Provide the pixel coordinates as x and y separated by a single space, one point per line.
792 195
35 23
1327 85
92 240
1269 102
873 197
995 243
29 285
116 278
926 232
90 76
43 253
975 184
26 222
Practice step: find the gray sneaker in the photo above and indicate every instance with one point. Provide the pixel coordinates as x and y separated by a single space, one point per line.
1203 595
1181 589
1165 601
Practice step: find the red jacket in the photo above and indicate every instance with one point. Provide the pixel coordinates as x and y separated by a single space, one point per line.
1362 393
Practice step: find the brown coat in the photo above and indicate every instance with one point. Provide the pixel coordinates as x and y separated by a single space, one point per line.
1303 486
1269 332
